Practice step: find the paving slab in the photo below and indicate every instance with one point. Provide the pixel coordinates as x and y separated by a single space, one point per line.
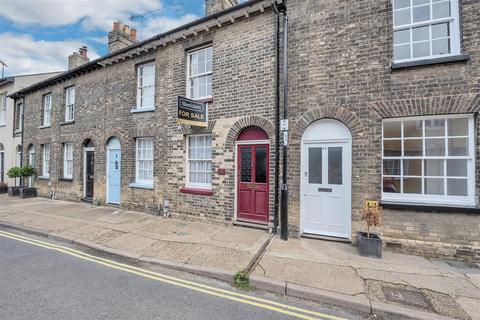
222 258
130 242
172 251
470 306
474 278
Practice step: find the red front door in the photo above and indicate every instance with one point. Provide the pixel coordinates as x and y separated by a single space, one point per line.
252 188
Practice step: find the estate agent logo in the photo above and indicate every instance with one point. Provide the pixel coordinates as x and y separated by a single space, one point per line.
192 112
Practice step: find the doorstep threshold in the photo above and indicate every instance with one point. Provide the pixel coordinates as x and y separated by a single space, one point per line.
326 238
250 224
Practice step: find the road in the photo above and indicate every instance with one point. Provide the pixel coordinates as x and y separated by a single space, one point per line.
52 280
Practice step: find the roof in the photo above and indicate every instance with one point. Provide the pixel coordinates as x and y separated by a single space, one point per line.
227 16
6 80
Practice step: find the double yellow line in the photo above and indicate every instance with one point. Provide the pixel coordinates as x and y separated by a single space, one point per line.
221 293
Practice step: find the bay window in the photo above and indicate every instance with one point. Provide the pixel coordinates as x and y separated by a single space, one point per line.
199 161
429 160
199 84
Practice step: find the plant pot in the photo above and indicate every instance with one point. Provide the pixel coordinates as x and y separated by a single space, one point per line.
28 192
13 191
3 189
369 247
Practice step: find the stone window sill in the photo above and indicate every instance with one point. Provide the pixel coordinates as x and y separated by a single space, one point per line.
66 179
43 178
140 110
67 123
136 185
18 131
44 126
429 208
200 192
427 62
3 124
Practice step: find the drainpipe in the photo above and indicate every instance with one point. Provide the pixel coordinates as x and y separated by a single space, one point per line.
22 120
277 119
284 209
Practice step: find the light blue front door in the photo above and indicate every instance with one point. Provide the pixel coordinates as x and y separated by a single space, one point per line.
114 160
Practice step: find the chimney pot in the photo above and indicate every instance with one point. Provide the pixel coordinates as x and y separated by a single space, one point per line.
133 34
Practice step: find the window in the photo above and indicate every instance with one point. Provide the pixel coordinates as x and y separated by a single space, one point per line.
199 84
425 29
19 117
3 109
70 104
199 161
144 161
429 160
68 161
46 161
146 86
47 109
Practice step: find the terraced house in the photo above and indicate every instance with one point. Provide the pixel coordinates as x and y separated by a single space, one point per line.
383 97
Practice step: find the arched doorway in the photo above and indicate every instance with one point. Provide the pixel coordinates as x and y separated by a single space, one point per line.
326 179
2 163
88 170
114 157
31 162
252 178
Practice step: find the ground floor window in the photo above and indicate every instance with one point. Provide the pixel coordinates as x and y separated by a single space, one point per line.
68 160
46 161
144 161
199 161
429 160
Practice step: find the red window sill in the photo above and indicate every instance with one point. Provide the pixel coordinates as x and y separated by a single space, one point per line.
200 192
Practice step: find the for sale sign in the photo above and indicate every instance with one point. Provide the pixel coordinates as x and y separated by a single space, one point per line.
192 112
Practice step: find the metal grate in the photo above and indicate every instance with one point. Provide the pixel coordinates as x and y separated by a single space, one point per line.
409 297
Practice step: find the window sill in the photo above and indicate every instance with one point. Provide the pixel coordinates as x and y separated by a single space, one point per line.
140 110
18 131
66 179
67 122
204 100
45 126
429 208
3 124
200 192
136 185
427 62
43 178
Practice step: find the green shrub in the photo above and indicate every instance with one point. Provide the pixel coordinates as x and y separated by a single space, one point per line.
14 173
27 171
242 280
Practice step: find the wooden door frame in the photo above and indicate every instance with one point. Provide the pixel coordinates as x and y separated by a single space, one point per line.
85 150
235 207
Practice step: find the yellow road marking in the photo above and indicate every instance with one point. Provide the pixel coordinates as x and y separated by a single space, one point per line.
230 295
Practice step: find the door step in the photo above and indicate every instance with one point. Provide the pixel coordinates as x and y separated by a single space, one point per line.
251 224
327 238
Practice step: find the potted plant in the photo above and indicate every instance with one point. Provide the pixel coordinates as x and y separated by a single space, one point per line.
3 187
27 172
14 173
370 244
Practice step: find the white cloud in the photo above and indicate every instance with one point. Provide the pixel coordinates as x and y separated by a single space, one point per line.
93 14
25 55
158 25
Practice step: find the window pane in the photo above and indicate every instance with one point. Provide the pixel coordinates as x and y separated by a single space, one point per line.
401 17
246 164
440 30
392 129
261 165
335 168
412 185
391 185
457 187
421 49
412 167
434 167
402 36
434 186
315 165
457 147
441 46
413 128
457 127
402 52
392 148
435 147
413 148
421 34
457 168
397 4
391 167
421 13
441 10
435 128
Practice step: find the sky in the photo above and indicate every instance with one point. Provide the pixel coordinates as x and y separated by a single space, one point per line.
38 35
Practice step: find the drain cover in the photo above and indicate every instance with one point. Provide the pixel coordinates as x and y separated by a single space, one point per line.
406 297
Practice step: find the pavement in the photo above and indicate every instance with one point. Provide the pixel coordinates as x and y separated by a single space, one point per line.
310 269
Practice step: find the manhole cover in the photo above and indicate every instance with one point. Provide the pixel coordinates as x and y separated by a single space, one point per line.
406 297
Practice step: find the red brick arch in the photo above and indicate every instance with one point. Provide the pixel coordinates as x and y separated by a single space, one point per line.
249 121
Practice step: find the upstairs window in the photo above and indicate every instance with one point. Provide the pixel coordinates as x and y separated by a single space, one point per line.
146 86
68 161
70 104
199 85
19 116
144 161
3 109
47 109
199 161
424 29
429 160
46 161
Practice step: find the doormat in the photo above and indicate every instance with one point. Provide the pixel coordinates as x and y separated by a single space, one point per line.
409 297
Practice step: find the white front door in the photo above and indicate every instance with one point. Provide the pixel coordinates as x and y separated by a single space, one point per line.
326 189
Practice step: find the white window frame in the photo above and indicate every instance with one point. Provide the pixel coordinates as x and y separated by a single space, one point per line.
140 86
3 109
138 180
69 107
444 200
47 109
46 161
19 110
68 160
197 185
453 20
190 76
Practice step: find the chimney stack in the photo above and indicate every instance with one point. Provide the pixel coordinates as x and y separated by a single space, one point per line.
121 36
214 6
76 59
